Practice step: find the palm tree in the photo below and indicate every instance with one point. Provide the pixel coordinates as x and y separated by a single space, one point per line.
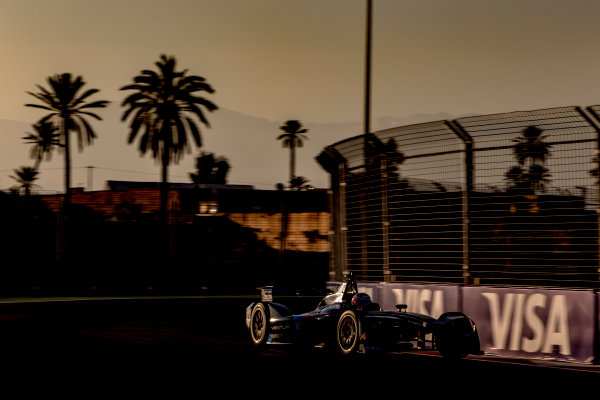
44 140
515 175
293 137
210 169
25 176
531 153
531 146
538 177
162 108
300 183
377 151
68 108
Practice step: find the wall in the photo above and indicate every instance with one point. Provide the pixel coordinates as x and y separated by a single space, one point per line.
307 231
551 324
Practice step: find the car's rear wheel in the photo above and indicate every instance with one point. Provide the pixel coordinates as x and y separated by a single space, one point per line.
347 333
452 339
451 348
259 325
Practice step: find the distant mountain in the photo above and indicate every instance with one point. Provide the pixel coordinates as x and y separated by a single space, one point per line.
249 143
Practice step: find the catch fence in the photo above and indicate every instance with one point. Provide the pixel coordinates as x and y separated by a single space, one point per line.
503 199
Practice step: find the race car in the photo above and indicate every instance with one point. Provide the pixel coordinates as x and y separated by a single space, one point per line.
349 322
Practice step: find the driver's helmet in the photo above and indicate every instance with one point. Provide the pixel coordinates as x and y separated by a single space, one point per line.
361 300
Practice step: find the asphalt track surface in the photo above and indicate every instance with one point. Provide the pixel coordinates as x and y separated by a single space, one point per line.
199 347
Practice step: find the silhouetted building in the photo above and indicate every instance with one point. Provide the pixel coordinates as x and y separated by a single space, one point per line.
285 220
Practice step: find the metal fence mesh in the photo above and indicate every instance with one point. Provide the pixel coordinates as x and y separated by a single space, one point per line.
496 199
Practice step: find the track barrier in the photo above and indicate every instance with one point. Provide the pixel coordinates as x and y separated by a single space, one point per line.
531 323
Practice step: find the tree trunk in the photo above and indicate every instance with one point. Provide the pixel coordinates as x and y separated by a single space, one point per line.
164 188
67 202
292 163
63 230
164 226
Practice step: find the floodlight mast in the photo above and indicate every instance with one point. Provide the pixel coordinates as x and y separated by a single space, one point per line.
368 51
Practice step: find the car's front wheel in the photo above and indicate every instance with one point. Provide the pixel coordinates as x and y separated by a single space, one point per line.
347 333
259 324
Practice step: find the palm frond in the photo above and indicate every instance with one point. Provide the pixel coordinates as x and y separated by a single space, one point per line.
162 105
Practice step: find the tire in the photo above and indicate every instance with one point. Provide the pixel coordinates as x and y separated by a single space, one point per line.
450 348
450 341
347 333
259 325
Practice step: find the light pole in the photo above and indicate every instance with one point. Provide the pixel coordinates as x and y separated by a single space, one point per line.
90 177
368 51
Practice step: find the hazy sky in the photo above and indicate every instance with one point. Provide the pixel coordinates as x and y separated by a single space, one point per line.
304 59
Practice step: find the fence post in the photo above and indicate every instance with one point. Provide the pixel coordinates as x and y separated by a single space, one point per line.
457 129
594 125
385 220
335 164
597 129
341 253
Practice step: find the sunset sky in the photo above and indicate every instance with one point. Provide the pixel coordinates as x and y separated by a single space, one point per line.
301 59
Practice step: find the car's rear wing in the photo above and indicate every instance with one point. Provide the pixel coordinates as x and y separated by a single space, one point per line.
266 294
299 300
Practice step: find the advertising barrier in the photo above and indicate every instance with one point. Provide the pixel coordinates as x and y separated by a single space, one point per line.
549 324
431 300
533 323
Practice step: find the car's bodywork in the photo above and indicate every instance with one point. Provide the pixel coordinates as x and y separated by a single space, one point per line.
347 325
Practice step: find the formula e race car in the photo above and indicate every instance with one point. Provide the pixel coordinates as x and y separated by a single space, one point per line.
348 322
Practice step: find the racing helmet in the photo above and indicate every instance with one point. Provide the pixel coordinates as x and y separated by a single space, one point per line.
361 300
